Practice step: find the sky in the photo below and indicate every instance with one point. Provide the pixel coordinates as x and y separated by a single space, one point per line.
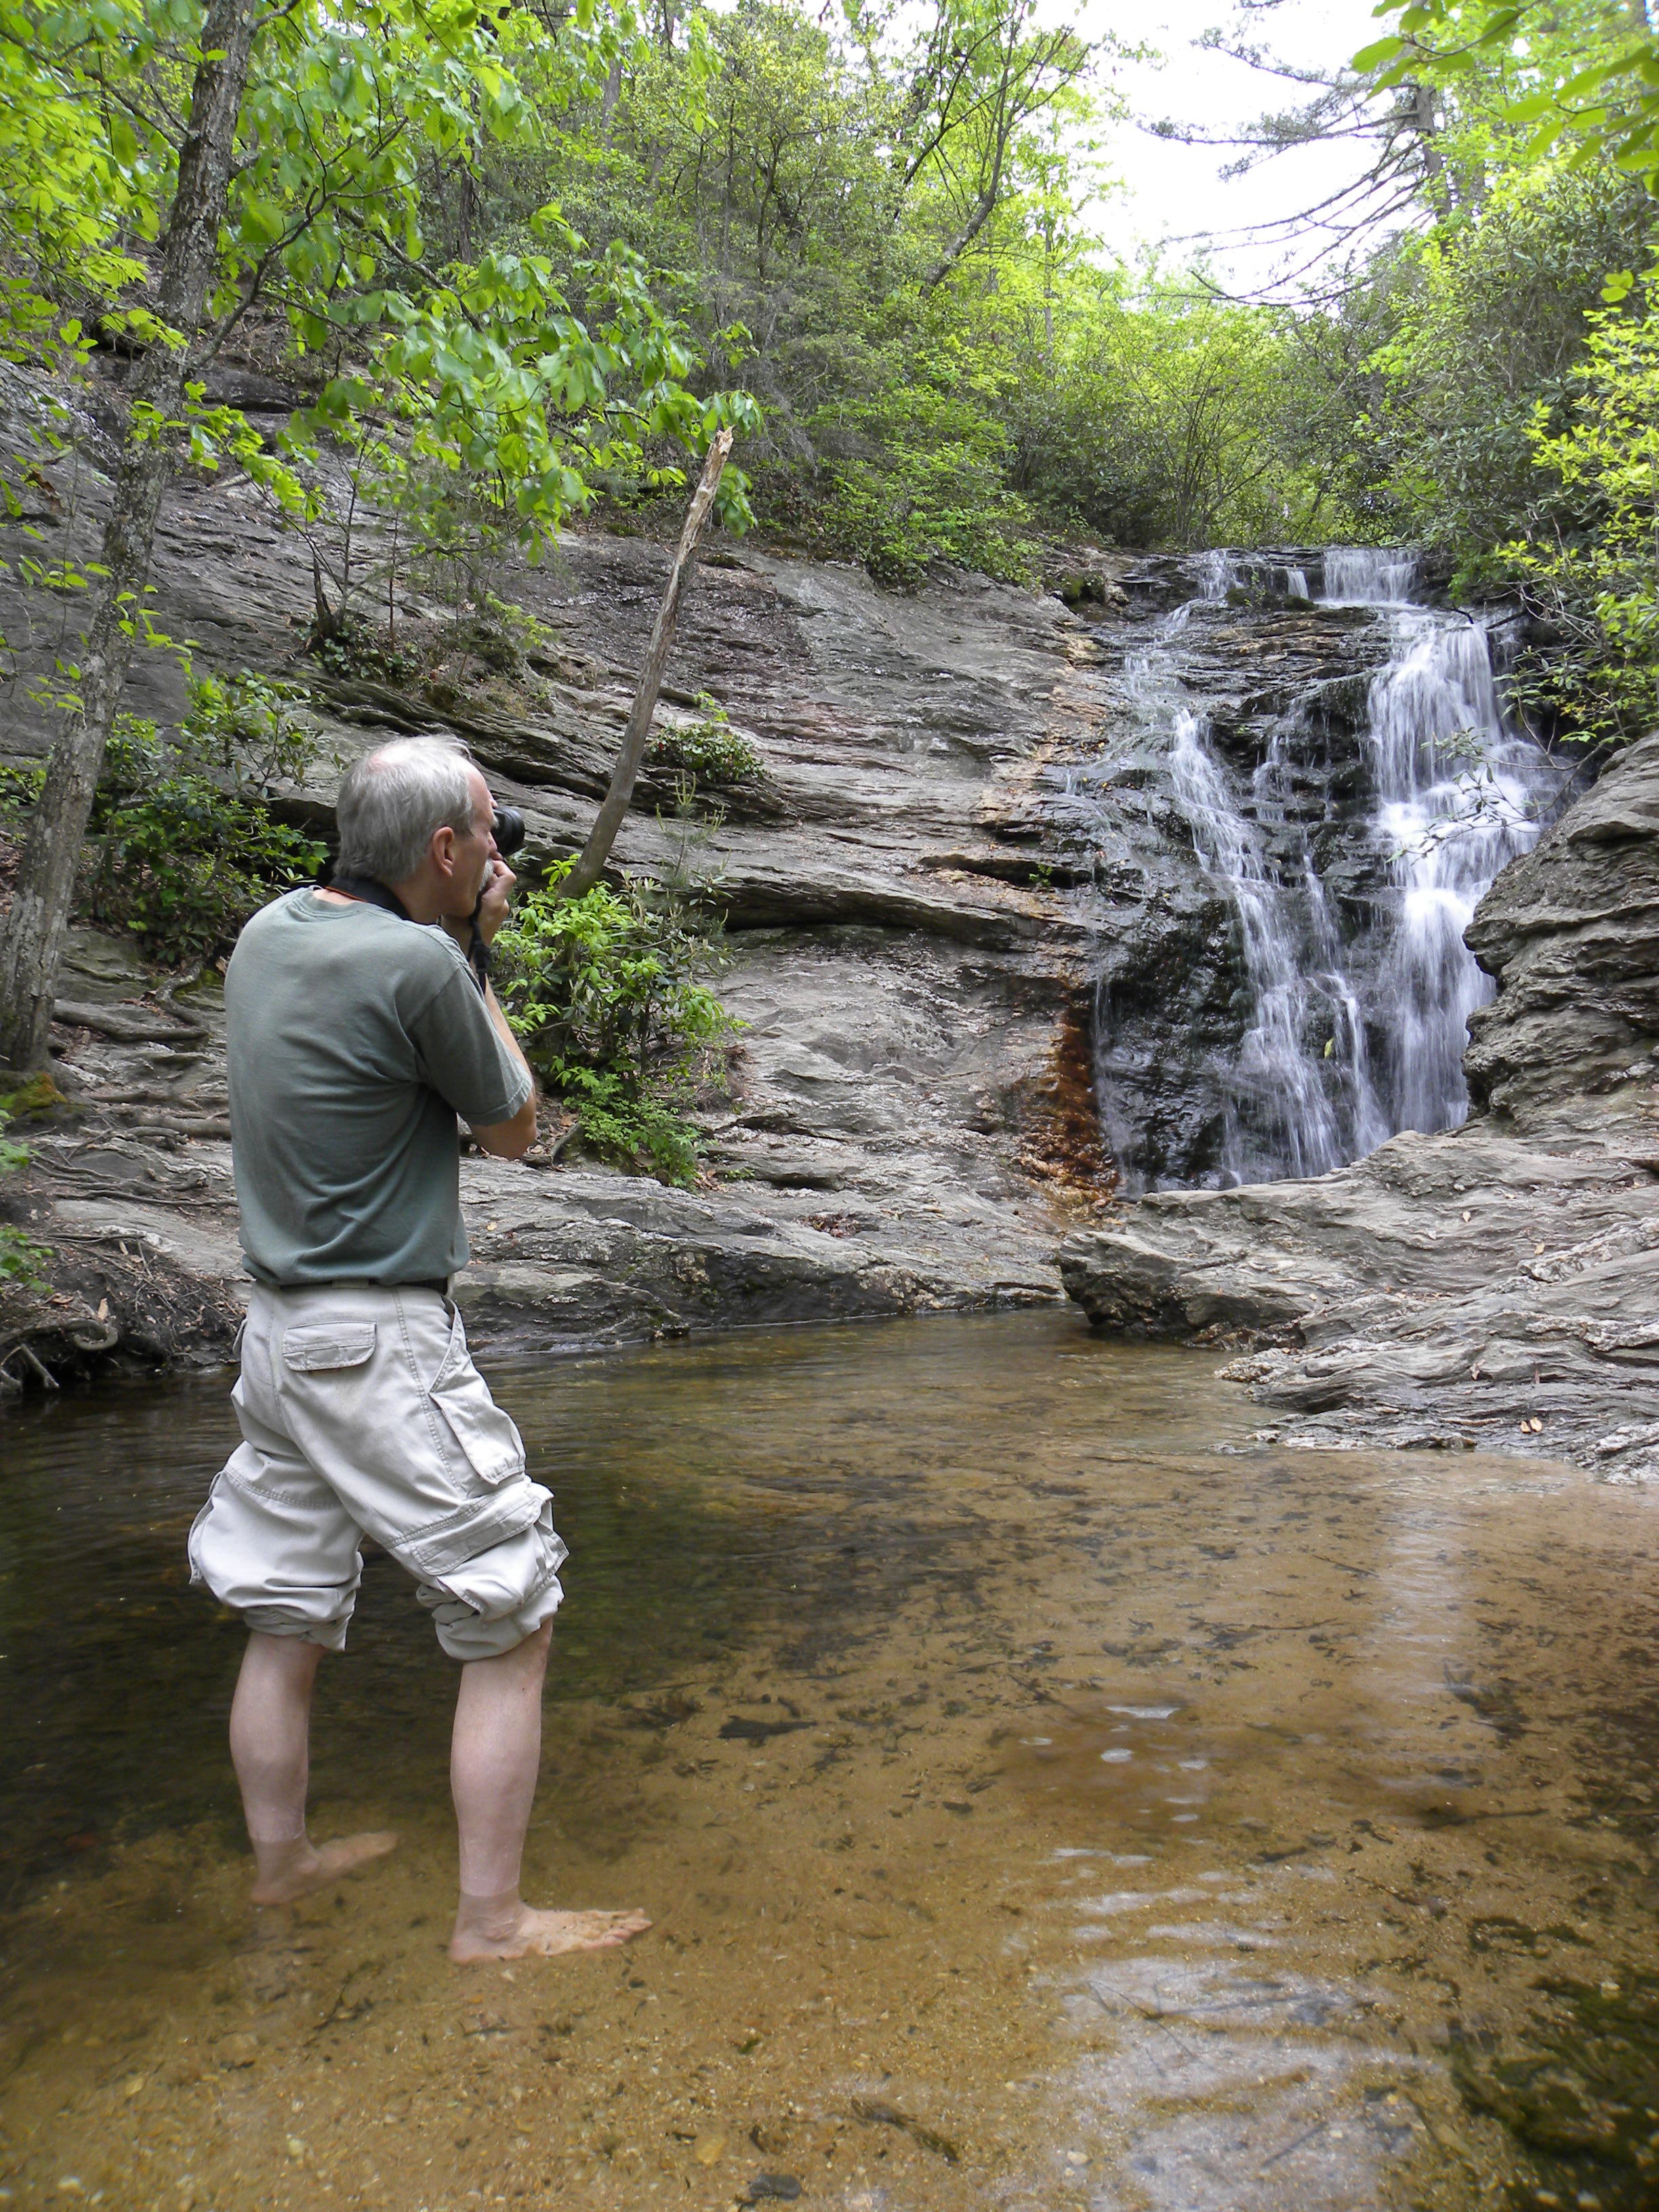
1169 190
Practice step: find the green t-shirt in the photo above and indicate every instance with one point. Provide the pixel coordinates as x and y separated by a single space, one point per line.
355 1039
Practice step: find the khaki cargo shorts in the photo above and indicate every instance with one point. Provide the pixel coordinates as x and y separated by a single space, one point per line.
362 1411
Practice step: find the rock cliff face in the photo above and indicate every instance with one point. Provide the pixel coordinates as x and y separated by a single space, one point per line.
1497 1283
963 903
1571 936
907 1126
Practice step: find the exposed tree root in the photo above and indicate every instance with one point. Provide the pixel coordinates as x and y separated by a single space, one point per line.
113 1306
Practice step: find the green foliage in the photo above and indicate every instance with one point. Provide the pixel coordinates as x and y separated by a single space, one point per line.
13 1155
21 1259
1491 386
709 749
1467 331
608 994
20 787
860 210
1574 77
488 412
1171 417
475 400
184 845
877 226
1598 587
933 486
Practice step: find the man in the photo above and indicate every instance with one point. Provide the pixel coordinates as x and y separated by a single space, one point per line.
357 1033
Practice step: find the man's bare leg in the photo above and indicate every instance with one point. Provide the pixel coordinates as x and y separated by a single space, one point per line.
492 1771
270 1744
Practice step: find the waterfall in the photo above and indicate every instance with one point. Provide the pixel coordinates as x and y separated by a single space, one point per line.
1346 1041
1455 800
1281 1104
1368 575
1219 572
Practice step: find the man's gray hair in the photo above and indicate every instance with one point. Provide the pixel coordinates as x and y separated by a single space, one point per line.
393 800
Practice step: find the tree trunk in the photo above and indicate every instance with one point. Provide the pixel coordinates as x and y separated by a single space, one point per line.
597 851
46 885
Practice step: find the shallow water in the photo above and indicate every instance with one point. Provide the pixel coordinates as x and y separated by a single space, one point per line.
1044 1798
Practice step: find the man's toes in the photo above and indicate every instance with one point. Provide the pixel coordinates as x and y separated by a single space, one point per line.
609 1929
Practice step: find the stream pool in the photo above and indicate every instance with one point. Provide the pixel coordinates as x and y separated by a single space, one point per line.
1044 1797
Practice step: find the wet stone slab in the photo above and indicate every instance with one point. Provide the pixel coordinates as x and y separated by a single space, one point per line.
1038 1808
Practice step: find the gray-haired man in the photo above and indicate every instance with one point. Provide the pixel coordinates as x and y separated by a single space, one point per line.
356 1036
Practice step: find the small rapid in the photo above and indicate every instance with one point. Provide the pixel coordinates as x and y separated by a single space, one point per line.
1355 1002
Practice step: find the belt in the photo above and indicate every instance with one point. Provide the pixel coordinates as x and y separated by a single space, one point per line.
439 1283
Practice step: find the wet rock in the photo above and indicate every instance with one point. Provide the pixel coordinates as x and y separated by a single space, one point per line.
1586 2084
1572 934
771 2188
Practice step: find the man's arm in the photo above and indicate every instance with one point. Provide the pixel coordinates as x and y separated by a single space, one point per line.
503 1140
508 1140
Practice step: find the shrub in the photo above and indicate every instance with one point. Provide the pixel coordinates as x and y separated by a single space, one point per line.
709 749
929 486
20 787
185 845
607 993
1597 586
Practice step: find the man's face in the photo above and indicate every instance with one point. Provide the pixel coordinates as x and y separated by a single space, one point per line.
474 852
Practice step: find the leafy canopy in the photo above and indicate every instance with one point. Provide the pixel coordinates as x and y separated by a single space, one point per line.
1579 76
478 370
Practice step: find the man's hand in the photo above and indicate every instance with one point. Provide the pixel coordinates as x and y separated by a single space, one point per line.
491 910
492 907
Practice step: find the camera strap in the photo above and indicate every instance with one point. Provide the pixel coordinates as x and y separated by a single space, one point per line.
369 892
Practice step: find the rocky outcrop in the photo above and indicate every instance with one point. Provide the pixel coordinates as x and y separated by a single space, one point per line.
1495 1284
1572 937
897 1131
962 902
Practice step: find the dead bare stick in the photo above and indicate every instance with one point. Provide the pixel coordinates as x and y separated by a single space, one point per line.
597 851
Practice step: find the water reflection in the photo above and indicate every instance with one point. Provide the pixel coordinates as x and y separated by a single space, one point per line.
1038 1809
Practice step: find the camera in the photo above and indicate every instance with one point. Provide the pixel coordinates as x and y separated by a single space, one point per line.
509 831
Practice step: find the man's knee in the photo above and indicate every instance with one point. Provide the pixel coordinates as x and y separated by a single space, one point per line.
238 1553
487 1605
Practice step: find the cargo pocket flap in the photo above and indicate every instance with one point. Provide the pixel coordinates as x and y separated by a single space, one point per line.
443 1547
492 1447
313 1350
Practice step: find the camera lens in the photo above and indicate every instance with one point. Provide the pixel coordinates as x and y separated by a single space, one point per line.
509 830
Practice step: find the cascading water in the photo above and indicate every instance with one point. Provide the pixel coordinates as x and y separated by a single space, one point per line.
1456 792
1345 1041
1279 1101
1219 572
1367 577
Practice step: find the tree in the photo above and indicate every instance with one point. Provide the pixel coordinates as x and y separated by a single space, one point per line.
1579 76
1597 584
187 267
279 158
589 864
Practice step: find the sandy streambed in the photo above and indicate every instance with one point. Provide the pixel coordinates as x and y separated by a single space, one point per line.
1038 1807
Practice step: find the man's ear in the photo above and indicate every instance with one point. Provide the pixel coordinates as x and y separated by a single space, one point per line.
442 850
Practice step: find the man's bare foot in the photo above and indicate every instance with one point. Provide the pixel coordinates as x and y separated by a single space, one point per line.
290 1871
492 1928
